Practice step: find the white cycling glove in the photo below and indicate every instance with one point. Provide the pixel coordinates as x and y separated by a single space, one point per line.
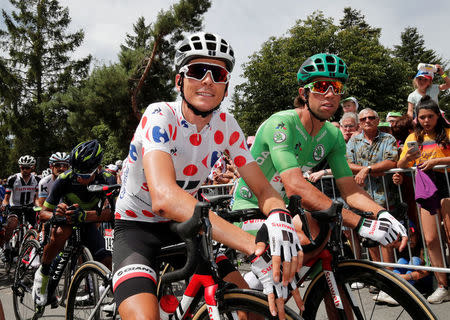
279 231
262 268
385 230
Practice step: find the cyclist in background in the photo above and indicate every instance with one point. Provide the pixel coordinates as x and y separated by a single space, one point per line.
294 141
173 150
70 189
21 190
58 163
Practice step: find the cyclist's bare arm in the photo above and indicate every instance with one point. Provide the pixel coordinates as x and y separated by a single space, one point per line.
172 202
5 201
268 197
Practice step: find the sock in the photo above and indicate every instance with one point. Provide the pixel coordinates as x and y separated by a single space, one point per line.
45 269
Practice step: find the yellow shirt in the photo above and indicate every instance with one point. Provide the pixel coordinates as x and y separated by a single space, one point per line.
428 150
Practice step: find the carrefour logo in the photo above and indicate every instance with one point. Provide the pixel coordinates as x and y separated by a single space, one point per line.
160 135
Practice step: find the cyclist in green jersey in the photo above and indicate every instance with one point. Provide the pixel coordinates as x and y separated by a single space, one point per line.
294 141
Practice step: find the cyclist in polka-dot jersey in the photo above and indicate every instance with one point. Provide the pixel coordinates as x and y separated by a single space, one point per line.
171 154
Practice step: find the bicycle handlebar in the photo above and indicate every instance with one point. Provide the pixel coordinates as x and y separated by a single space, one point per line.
188 231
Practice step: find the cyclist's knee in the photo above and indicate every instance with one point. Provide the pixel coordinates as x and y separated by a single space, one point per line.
142 306
61 234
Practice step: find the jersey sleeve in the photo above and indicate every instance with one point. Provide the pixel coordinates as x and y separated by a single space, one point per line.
55 195
239 152
337 158
411 137
280 143
10 183
42 189
158 128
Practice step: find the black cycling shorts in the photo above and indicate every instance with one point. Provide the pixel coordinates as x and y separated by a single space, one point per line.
136 247
93 239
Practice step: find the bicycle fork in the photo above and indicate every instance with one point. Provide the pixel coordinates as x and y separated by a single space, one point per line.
210 288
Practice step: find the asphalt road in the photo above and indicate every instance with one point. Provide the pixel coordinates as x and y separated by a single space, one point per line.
441 310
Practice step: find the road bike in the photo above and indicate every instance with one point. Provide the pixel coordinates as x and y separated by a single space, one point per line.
218 300
62 269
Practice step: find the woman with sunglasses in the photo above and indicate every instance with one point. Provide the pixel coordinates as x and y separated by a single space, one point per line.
423 84
294 141
174 148
432 135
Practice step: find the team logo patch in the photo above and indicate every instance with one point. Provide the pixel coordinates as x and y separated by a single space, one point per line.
281 126
319 152
245 192
279 137
160 135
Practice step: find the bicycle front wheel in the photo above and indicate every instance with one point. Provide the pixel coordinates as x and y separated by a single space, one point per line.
27 264
405 303
251 301
90 293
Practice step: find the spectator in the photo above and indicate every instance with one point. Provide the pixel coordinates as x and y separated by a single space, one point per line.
250 140
432 134
384 127
371 153
423 83
401 129
392 117
225 172
350 105
349 125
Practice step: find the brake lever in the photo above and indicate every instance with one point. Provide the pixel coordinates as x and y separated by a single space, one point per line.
295 208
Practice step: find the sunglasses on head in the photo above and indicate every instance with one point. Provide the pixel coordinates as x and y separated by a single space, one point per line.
84 175
198 71
322 86
371 118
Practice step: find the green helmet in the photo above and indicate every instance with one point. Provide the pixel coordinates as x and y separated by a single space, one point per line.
322 65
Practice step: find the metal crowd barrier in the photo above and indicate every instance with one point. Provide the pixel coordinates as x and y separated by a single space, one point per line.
226 189
411 173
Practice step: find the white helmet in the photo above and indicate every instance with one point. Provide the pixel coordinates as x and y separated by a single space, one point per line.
119 163
27 160
204 45
59 157
46 172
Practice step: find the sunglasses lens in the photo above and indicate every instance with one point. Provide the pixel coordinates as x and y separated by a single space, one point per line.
199 70
323 86
25 167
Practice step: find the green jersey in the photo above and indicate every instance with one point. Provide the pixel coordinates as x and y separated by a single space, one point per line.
282 143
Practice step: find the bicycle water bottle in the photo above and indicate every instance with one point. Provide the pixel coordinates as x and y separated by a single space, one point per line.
167 306
427 67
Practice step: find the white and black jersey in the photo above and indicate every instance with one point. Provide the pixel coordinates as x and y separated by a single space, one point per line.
22 193
45 186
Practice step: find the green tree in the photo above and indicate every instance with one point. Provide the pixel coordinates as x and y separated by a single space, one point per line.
37 50
101 108
377 79
412 49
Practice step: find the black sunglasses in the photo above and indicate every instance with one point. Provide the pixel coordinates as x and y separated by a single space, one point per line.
371 118
25 167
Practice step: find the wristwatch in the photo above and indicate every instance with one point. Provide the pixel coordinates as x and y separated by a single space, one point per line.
370 169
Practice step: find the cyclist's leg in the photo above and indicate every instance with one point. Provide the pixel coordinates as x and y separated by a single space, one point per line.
58 238
136 245
11 224
95 242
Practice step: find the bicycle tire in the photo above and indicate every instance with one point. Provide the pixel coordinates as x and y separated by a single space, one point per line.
244 300
84 293
23 281
63 286
30 234
412 305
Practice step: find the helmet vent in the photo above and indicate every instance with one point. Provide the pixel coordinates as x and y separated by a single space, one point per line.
209 36
185 48
223 48
320 67
197 45
341 69
211 45
309 68
330 59
195 38
332 68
